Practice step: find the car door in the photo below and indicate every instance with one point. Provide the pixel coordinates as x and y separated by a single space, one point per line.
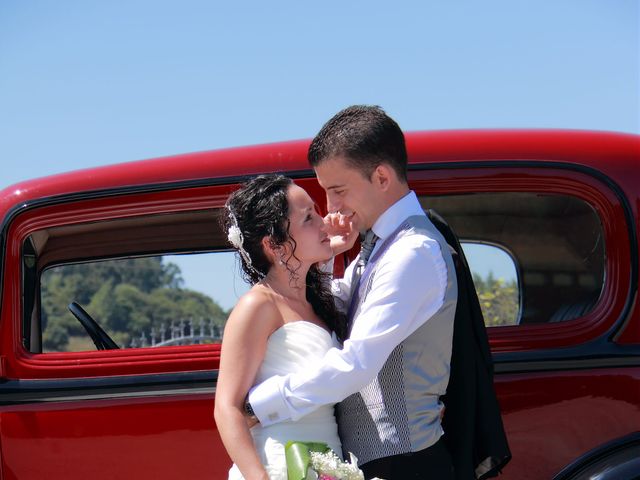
144 409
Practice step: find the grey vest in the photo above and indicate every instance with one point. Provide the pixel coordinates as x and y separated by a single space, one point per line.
399 411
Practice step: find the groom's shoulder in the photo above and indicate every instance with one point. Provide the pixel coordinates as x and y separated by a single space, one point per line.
416 246
423 237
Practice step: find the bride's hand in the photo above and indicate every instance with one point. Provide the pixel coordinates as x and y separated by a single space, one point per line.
342 233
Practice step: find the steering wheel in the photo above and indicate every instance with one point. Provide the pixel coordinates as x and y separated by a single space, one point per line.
100 338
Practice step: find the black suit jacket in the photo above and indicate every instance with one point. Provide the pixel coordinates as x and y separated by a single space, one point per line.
474 433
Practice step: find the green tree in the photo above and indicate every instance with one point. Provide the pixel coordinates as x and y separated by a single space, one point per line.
126 297
499 300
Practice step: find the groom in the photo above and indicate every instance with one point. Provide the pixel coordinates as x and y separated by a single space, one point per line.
400 295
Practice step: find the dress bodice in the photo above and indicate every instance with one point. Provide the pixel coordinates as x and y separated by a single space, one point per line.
294 347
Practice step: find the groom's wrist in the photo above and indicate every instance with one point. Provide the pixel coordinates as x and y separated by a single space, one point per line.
268 402
248 409
252 419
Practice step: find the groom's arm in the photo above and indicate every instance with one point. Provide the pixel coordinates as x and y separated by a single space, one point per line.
392 311
341 288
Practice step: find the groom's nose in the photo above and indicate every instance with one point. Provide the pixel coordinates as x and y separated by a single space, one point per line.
332 204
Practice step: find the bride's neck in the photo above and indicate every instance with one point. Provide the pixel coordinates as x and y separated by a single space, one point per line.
279 280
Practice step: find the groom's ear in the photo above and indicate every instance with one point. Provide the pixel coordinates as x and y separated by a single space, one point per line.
381 176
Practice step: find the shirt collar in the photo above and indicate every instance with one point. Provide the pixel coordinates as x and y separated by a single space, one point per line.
397 213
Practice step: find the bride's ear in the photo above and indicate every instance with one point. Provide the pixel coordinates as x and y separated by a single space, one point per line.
271 250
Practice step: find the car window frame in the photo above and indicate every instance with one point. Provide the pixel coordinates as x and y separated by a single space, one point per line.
102 207
594 188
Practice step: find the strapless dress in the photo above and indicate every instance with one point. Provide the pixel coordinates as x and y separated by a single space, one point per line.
295 347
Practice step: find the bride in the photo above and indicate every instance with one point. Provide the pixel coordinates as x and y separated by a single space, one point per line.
285 323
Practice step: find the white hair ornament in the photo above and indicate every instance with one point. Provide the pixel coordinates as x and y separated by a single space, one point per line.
236 238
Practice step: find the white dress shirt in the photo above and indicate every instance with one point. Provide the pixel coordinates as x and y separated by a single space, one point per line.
409 288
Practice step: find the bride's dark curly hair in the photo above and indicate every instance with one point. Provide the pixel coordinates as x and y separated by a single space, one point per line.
260 208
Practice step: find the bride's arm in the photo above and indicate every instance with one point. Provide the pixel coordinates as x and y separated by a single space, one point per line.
243 347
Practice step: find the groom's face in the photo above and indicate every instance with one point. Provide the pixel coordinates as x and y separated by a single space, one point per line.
349 192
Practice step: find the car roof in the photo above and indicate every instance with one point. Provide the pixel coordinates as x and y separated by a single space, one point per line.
611 153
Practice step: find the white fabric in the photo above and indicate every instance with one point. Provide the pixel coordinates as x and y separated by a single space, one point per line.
409 288
294 347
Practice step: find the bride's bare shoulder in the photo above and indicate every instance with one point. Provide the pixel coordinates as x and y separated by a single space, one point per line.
256 308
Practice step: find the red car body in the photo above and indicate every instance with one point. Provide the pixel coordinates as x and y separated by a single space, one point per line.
569 390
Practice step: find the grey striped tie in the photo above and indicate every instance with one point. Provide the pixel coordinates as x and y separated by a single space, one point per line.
366 247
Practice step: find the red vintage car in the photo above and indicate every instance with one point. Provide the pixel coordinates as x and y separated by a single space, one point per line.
108 366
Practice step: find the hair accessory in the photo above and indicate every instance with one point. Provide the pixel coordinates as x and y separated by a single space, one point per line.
236 238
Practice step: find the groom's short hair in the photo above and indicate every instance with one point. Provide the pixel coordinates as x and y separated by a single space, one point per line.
365 136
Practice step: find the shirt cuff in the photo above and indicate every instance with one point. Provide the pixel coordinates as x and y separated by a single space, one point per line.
327 267
268 403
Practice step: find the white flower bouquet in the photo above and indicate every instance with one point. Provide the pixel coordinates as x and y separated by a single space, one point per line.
316 461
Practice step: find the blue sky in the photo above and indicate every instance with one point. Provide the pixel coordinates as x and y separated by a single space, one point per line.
88 82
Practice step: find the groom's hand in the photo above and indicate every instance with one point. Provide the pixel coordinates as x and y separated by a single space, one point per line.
341 231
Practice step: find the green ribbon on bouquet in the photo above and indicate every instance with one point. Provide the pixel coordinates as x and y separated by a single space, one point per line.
298 457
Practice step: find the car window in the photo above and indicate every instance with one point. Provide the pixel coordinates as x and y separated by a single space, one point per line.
496 281
138 301
170 279
128 283
555 243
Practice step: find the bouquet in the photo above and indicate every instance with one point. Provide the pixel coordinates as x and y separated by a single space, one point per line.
316 461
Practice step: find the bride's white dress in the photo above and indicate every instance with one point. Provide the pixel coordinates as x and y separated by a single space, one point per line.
296 346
